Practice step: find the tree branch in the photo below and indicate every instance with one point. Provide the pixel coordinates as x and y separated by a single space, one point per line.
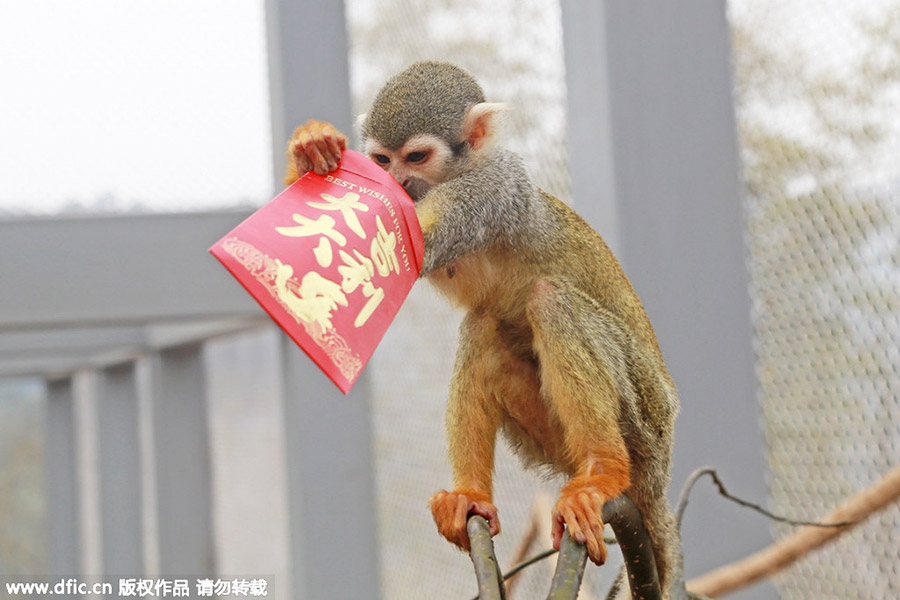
779 555
569 570
490 583
697 474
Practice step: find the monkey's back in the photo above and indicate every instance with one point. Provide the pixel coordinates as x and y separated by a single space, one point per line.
647 422
595 270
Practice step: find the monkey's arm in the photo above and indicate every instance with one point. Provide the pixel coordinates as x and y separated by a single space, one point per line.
583 376
485 205
472 422
314 146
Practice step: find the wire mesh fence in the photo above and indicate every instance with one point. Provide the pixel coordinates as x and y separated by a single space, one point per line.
818 85
818 93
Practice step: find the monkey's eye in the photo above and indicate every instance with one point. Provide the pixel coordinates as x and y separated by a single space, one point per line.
416 157
382 159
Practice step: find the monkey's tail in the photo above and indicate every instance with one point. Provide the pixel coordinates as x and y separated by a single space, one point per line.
665 539
620 591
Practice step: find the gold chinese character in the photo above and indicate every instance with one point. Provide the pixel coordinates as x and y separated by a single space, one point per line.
323 252
355 272
383 250
346 205
324 225
313 300
375 296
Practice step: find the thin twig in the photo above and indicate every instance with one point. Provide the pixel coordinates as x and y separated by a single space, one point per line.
527 563
540 525
697 474
779 555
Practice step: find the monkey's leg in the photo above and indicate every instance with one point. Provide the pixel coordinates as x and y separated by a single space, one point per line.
582 370
473 418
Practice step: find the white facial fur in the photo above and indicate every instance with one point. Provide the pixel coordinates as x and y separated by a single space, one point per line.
421 158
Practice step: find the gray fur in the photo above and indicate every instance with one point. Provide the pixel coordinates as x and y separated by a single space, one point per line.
490 202
428 97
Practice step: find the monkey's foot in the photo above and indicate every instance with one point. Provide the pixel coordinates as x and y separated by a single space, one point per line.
451 511
579 508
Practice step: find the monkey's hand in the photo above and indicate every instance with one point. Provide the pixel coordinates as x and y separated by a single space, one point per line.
579 508
315 146
451 511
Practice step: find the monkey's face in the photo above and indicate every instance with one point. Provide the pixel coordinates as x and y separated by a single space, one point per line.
420 163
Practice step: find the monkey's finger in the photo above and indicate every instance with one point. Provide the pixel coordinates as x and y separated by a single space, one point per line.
489 512
582 511
459 522
591 524
494 524
319 162
340 140
298 156
594 543
597 553
307 141
591 506
331 160
302 163
596 547
559 527
335 147
573 524
596 529
320 132
596 516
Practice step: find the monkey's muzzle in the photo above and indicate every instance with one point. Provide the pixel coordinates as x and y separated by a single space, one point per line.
416 188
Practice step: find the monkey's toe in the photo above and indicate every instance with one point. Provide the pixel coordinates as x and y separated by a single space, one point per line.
580 512
451 512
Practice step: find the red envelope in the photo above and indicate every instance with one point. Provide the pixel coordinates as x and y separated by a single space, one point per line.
331 259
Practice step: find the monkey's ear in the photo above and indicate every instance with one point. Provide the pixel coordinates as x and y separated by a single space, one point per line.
358 125
481 124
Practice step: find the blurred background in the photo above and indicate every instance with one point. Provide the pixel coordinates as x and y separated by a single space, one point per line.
742 159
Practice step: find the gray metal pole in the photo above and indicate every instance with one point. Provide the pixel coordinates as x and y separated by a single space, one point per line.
120 471
182 463
589 131
62 488
331 497
309 73
331 483
661 72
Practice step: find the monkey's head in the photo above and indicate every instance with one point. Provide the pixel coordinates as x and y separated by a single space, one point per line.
426 122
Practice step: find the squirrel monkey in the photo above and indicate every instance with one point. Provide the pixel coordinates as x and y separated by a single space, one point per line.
555 351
